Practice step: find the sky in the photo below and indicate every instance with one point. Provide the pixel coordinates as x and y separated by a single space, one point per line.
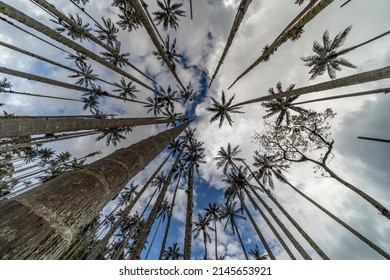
201 41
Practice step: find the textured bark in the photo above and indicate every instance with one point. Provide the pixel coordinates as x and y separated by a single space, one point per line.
190 205
365 77
236 24
25 127
102 243
141 240
282 39
43 222
32 23
64 18
139 10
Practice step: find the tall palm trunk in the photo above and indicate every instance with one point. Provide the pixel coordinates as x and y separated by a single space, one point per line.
139 245
52 9
236 24
240 239
25 127
42 96
154 237
282 39
32 23
275 232
380 90
140 12
163 244
259 234
42 223
215 238
382 209
365 77
60 84
4 44
366 42
312 243
205 245
190 206
374 139
102 243
339 221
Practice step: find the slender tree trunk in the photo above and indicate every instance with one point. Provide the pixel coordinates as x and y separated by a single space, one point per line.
169 221
374 139
365 77
42 223
382 209
259 234
191 9
282 39
102 243
52 9
275 232
236 24
205 245
32 23
367 42
40 95
24 127
215 238
295 243
339 221
139 10
56 83
345 3
190 206
240 239
154 237
380 90
48 61
139 245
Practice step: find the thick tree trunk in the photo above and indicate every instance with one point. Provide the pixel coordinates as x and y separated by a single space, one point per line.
236 24
42 223
32 23
102 243
139 245
25 127
365 77
282 39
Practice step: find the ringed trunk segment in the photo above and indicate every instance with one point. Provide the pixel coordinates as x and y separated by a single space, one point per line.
43 222
25 127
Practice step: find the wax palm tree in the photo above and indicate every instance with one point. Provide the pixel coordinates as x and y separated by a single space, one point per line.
173 253
85 76
256 253
154 104
281 39
282 106
126 90
128 18
194 156
163 213
108 32
169 14
242 8
213 212
76 31
187 94
227 157
231 213
170 52
202 226
116 57
223 109
114 135
167 97
327 57
238 182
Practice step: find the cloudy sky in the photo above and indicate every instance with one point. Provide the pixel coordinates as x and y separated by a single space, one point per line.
201 41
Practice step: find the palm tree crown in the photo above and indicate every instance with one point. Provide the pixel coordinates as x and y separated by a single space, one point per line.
223 110
168 15
327 56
